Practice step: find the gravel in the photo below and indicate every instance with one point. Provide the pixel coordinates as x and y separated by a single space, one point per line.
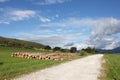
87 68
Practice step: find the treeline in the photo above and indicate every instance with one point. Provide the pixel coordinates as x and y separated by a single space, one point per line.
85 51
19 43
88 50
57 49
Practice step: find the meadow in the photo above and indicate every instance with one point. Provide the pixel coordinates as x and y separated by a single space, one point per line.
111 67
13 66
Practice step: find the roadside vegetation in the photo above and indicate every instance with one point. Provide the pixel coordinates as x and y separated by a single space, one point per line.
111 67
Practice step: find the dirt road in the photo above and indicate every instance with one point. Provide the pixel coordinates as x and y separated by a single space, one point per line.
87 68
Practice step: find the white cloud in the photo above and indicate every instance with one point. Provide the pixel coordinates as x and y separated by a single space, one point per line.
103 33
21 14
113 44
103 30
106 26
51 39
1 1
49 2
71 22
10 15
81 46
43 19
78 46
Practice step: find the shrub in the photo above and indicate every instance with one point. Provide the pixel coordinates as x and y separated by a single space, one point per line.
83 53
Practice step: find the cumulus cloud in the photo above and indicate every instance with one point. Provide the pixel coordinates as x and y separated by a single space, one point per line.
49 2
106 26
103 33
102 30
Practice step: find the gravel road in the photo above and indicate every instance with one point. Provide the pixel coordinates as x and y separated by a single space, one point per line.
87 68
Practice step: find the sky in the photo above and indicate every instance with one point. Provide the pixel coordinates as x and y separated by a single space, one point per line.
64 23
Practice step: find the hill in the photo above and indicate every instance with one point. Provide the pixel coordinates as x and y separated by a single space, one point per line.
19 43
115 50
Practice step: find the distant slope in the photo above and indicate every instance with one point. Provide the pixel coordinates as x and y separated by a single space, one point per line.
19 43
115 50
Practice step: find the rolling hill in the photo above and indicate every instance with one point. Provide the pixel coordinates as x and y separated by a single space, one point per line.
19 43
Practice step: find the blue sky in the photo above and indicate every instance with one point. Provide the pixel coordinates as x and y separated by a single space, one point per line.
64 23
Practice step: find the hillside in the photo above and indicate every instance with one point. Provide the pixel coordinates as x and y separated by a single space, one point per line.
115 50
19 43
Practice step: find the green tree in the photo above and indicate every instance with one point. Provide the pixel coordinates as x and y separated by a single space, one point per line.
56 49
47 47
73 49
90 50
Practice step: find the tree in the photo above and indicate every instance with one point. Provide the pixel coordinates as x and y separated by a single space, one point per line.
73 49
47 47
56 49
90 50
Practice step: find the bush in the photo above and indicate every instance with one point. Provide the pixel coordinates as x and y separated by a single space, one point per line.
83 53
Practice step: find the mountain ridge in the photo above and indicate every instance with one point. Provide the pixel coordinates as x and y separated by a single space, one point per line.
115 50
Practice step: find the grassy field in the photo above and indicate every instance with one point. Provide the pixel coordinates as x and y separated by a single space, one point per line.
111 67
12 66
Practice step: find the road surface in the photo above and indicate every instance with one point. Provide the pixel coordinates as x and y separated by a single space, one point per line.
87 68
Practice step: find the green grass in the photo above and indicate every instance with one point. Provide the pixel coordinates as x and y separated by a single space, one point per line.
111 67
12 66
